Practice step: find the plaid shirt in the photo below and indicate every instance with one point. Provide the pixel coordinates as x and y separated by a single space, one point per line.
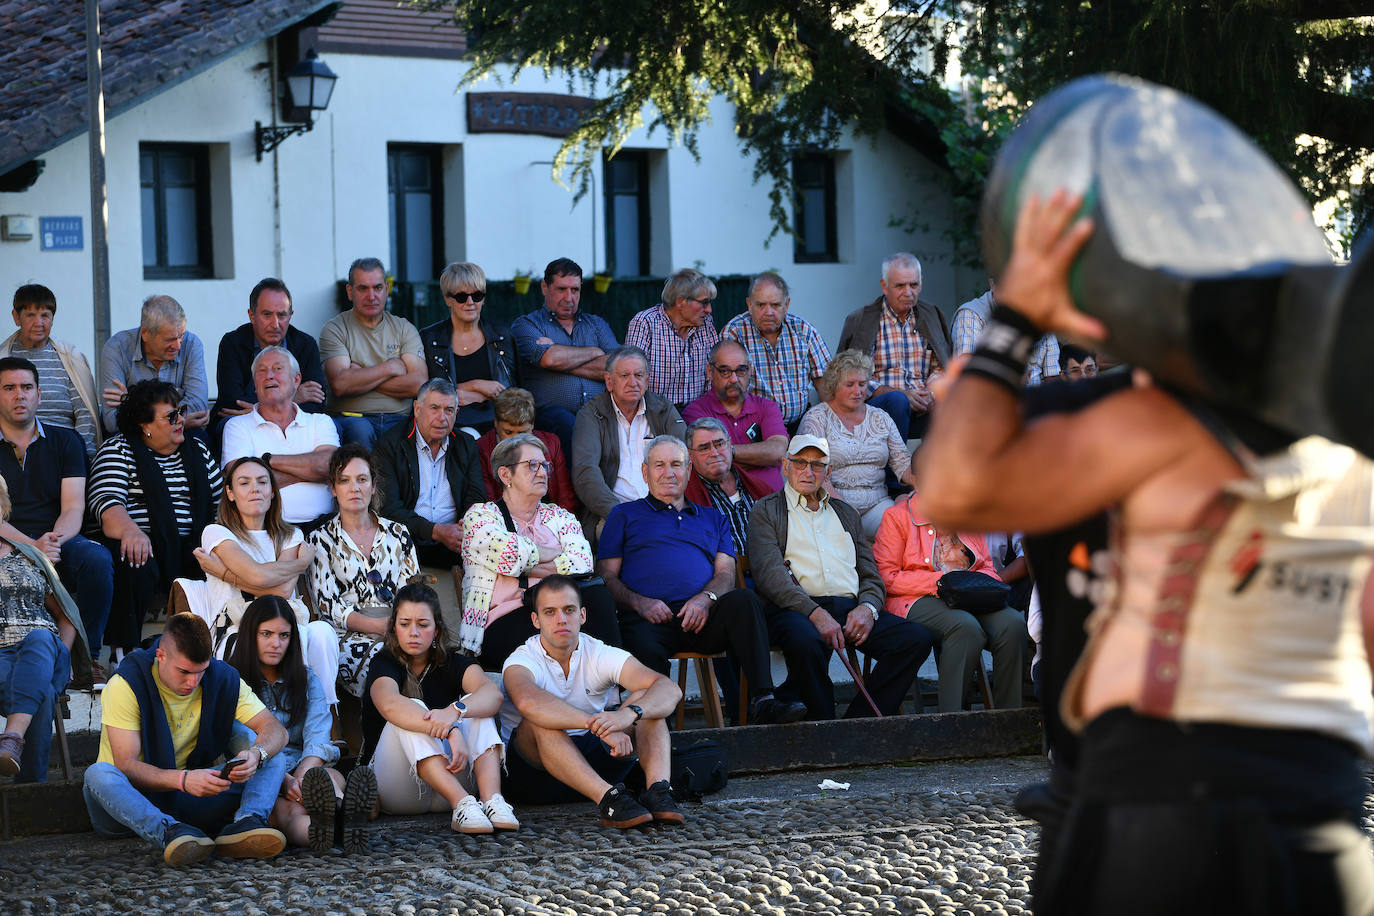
901 356
969 320
783 371
736 513
677 366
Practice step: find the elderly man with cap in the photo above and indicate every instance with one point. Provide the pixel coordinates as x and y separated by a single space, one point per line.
815 570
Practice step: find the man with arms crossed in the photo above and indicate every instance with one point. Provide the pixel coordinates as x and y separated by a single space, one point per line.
566 729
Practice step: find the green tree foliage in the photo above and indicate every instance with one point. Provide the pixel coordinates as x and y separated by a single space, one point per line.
799 72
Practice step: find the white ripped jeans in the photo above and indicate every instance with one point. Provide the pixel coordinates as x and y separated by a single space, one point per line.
398 755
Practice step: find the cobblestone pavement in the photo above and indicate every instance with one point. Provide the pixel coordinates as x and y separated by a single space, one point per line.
938 838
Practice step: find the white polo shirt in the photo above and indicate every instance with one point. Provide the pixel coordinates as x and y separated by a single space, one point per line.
250 434
590 685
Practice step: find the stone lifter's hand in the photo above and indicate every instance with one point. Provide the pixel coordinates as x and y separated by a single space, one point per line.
1036 279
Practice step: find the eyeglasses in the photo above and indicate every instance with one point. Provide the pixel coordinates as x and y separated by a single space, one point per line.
176 414
461 298
707 303
384 591
801 464
715 445
728 371
535 466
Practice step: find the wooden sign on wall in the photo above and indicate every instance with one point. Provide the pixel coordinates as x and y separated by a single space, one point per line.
549 114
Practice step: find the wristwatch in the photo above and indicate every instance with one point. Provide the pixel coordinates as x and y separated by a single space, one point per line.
461 707
710 594
639 713
262 751
874 611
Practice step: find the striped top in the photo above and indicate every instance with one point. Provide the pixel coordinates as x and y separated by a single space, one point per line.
60 404
114 482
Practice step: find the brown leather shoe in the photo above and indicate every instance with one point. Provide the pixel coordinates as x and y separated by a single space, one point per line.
11 749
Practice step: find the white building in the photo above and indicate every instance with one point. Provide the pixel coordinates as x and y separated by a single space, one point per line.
394 168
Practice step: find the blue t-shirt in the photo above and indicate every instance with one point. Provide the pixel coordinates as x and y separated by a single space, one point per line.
665 553
36 488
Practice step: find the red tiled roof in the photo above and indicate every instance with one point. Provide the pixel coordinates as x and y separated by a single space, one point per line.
146 46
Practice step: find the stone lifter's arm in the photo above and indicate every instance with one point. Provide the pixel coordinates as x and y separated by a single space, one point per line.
986 470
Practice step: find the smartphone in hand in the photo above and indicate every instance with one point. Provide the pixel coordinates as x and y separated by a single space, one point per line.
230 766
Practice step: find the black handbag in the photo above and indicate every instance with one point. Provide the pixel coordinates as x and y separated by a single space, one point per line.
975 592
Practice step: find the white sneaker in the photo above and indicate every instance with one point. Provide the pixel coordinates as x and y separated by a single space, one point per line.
500 813
468 817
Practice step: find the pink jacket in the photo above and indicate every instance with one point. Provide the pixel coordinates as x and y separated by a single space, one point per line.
903 548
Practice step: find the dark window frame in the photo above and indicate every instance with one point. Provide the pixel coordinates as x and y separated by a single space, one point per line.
831 253
640 160
199 153
434 156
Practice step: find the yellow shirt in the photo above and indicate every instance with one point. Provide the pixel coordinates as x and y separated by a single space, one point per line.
119 709
820 550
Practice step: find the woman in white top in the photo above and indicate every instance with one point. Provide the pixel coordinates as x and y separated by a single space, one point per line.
251 552
864 441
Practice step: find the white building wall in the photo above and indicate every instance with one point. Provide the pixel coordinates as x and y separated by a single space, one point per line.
321 200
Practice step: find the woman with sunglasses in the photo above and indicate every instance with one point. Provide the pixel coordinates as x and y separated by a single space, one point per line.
512 543
250 552
152 491
270 659
476 354
361 561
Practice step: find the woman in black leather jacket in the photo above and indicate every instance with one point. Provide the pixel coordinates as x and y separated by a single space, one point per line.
475 353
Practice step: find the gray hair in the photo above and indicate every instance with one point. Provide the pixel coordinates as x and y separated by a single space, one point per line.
844 362
462 275
625 352
160 310
365 264
665 439
685 284
441 385
769 276
507 451
275 351
708 423
902 259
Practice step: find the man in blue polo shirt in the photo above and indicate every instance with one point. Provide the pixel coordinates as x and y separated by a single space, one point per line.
45 469
562 351
670 565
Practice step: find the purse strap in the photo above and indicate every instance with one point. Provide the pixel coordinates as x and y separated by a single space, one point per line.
523 579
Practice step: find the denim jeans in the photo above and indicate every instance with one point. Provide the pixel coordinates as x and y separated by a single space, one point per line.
118 809
366 429
87 571
32 674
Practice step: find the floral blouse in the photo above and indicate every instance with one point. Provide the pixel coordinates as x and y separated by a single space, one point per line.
859 456
490 550
339 573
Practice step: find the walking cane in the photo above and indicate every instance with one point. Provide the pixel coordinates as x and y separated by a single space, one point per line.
844 656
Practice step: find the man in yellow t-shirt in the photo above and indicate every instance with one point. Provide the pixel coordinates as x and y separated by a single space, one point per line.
166 718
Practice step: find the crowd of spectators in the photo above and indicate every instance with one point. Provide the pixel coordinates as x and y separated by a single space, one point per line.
600 507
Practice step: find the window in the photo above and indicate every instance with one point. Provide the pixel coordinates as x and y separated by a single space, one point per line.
416 206
627 213
174 194
814 216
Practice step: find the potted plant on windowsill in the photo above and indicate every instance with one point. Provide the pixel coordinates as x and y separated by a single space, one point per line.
522 281
601 282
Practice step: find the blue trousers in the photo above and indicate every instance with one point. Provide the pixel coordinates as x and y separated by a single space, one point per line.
87 570
364 430
32 674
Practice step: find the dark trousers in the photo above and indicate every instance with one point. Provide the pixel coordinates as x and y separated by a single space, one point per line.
432 553
88 573
137 589
898 648
559 421
735 625
508 633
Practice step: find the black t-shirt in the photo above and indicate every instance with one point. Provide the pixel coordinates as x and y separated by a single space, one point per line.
441 685
36 488
476 365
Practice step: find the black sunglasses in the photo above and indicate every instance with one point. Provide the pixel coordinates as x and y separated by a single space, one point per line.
460 298
385 592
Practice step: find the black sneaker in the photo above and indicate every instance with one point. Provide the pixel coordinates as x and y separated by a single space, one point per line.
250 838
183 844
772 711
658 800
619 809
359 801
317 796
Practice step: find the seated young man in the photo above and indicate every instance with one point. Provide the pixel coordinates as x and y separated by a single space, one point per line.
562 720
166 719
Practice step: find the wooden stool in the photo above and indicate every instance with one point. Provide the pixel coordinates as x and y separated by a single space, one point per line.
710 695
61 711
